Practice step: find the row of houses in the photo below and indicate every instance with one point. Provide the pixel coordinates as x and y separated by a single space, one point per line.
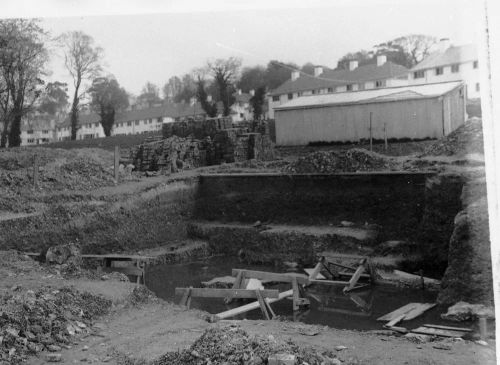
447 63
291 104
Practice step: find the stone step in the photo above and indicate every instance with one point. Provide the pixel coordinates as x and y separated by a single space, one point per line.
271 243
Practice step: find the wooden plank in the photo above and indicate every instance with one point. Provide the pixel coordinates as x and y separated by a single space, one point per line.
355 277
345 273
273 315
438 332
310 272
344 311
271 276
463 329
329 282
410 310
417 311
250 306
327 254
396 313
409 276
222 293
262 304
395 321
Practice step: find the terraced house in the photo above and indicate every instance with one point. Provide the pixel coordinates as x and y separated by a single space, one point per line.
450 63
383 73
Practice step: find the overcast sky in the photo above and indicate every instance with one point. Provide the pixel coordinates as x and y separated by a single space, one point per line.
177 36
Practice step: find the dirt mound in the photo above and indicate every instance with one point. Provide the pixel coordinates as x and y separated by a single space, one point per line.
35 321
16 262
464 140
351 160
232 345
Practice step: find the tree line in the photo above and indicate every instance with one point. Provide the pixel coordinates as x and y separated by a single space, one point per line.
25 48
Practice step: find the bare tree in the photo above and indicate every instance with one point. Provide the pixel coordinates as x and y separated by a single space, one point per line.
150 94
225 73
23 56
413 48
82 60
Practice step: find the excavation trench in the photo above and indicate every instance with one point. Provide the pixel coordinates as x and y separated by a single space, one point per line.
265 221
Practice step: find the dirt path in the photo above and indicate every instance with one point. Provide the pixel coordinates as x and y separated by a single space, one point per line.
154 329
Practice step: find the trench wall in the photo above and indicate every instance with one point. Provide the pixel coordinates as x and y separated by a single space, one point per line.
395 201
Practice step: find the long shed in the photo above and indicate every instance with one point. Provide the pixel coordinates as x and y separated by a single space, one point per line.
405 112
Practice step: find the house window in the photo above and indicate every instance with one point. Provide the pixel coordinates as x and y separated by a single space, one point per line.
475 64
160 120
31 140
330 89
150 121
45 131
349 87
380 83
276 98
314 92
419 74
290 96
455 68
477 86
129 123
137 122
299 93
96 124
30 131
439 71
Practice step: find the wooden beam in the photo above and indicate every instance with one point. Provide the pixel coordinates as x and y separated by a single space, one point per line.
222 293
295 288
395 321
250 306
329 282
410 310
262 304
463 329
310 273
355 277
271 276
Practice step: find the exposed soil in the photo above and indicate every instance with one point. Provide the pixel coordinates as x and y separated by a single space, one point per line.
76 200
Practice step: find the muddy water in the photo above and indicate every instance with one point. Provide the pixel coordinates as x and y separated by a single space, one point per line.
329 306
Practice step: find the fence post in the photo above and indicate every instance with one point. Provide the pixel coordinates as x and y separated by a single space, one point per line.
385 138
36 162
117 163
371 134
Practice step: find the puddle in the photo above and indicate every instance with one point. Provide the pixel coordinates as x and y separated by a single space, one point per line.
329 305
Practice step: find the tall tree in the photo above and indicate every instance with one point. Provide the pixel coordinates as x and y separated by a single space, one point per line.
150 95
308 68
257 101
54 98
82 60
363 57
208 106
171 89
411 49
23 56
251 78
188 89
107 97
225 72
278 72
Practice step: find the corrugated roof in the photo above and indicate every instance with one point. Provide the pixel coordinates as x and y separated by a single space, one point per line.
454 54
372 95
332 78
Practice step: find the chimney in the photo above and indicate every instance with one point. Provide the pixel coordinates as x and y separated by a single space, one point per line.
209 98
353 64
252 92
444 44
318 70
295 75
381 59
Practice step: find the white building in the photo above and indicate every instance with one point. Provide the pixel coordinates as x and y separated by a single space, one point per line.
381 74
38 129
240 110
455 63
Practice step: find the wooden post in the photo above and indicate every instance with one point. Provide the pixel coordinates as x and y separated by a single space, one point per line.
117 163
36 163
296 293
371 134
483 330
262 304
386 145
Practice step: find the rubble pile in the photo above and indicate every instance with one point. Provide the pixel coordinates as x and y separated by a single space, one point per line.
351 160
31 322
168 154
232 345
464 140
81 173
